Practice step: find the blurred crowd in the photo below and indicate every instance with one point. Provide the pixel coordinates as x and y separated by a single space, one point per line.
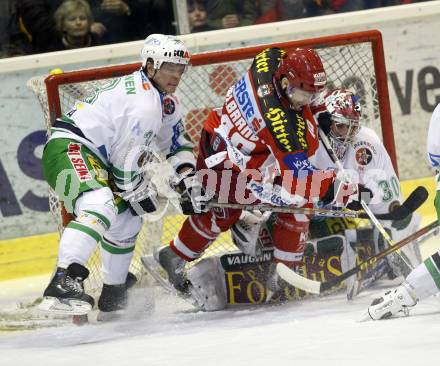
37 26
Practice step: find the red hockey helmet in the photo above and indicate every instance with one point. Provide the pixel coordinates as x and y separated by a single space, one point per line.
304 70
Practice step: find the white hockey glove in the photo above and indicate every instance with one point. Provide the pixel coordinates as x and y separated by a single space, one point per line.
193 198
141 200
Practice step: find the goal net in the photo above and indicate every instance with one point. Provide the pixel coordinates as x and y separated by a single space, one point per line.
353 61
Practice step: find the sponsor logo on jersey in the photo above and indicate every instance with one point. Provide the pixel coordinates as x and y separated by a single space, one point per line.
130 87
264 90
365 143
363 156
78 163
435 160
216 143
279 128
101 175
148 136
237 118
299 164
169 106
178 130
243 98
261 62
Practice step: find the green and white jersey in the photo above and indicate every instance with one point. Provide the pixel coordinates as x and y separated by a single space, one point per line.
367 162
122 119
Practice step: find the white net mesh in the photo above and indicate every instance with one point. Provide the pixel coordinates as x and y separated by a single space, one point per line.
350 66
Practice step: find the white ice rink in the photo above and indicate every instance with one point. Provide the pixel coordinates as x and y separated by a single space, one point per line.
317 331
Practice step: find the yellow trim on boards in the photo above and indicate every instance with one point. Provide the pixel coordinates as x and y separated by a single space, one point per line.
36 255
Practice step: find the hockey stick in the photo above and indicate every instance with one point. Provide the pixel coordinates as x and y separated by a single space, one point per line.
317 287
412 203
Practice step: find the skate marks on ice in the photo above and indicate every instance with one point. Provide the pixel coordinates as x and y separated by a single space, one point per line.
320 328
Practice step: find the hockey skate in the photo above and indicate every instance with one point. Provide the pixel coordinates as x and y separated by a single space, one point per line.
113 300
165 261
399 300
65 293
273 282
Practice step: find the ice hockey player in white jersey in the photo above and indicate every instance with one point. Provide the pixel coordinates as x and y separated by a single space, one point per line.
93 160
424 280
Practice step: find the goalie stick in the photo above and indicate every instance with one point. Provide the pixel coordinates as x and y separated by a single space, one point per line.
317 287
412 203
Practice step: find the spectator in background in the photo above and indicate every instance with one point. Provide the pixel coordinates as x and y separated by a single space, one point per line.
13 42
276 10
37 20
231 13
197 16
324 7
73 21
129 20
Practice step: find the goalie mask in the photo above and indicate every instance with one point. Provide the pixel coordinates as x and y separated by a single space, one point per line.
344 111
160 48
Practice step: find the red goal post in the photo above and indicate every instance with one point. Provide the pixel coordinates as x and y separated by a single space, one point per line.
354 61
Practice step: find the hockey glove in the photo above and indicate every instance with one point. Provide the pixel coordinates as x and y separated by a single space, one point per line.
192 194
141 200
346 195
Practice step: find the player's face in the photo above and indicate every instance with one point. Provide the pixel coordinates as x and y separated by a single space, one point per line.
167 78
298 98
345 132
339 130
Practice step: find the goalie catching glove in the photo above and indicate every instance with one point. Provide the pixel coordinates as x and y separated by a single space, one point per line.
193 198
142 199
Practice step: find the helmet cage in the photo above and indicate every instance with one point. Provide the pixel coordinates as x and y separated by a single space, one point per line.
344 109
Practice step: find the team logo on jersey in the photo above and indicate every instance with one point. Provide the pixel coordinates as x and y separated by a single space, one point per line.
264 90
363 156
169 106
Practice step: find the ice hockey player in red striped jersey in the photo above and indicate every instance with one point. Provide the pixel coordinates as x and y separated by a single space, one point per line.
257 149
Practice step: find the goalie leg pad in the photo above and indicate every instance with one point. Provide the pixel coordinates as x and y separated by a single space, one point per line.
208 286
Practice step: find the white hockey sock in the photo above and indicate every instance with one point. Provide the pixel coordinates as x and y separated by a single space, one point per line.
76 246
115 262
425 278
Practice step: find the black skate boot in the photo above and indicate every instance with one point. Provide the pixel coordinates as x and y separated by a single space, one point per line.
175 268
113 299
65 292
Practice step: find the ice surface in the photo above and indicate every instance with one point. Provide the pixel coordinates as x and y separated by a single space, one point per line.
316 331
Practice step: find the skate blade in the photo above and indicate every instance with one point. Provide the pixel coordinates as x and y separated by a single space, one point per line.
365 317
53 305
155 270
108 316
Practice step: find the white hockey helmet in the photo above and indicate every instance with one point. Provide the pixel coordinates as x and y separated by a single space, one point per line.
162 48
